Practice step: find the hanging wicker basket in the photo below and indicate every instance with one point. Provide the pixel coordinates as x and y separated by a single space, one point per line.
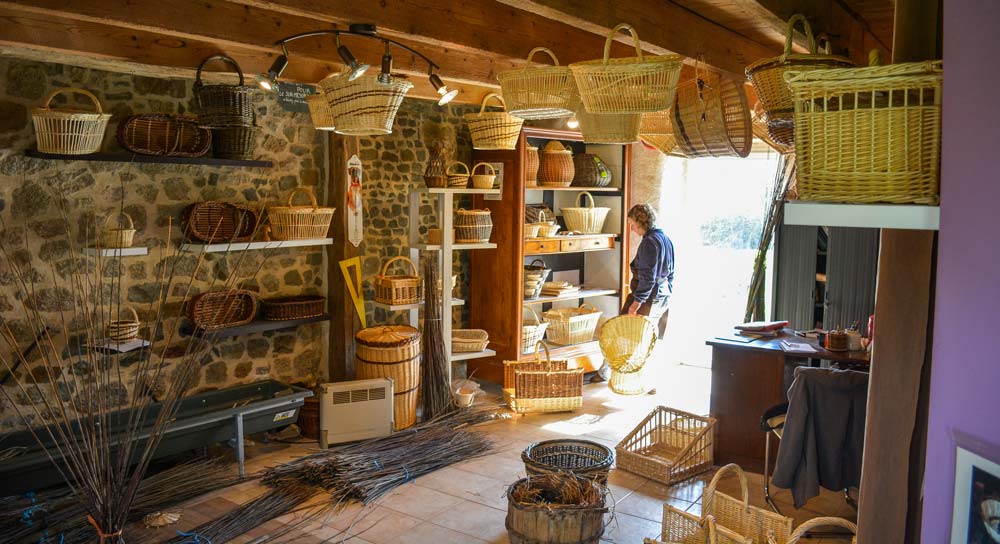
169 135
456 179
236 142
473 226
117 236
542 385
299 222
363 107
761 130
398 289
223 105
486 179
69 131
222 309
639 84
214 222
532 331
711 118
569 326
493 129
739 516
319 111
588 219
589 170
124 330
555 165
539 92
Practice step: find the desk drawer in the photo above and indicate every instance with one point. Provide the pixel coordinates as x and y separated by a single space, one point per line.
569 245
597 243
534 247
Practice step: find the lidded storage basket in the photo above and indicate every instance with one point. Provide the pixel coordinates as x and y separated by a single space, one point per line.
486 179
590 171
223 105
398 289
668 446
493 129
392 351
537 385
586 220
170 135
119 235
124 330
221 309
580 457
627 342
539 92
711 118
363 107
473 226
69 131
319 111
214 221
299 222
555 167
531 167
572 325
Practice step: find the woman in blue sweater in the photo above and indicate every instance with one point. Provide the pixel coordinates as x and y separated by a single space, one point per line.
652 269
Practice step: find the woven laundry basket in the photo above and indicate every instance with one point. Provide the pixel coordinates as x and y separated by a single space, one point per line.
539 92
300 222
473 226
493 129
398 289
167 135
572 325
69 131
365 106
588 219
223 105
392 351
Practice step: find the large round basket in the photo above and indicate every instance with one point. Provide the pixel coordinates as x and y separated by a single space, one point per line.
319 111
493 129
588 219
363 107
124 330
398 289
580 457
555 165
69 131
550 516
590 171
538 92
223 105
299 222
639 84
121 234
473 226
711 118
392 351
170 135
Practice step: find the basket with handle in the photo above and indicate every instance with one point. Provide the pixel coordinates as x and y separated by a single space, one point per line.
588 219
572 325
363 107
170 135
680 527
69 131
392 351
555 166
486 180
668 446
800 532
711 117
539 92
299 222
546 229
117 236
398 289
473 226
534 278
644 83
608 128
627 342
223 105
532 330
739 516
469 340
124 330
493 129
214 221
319 111
457 179
235 142
542 385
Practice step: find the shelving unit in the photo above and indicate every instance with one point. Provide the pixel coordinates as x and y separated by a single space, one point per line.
116 252
415 306
147 159
467 356
582 294
227 247
454 246
256 326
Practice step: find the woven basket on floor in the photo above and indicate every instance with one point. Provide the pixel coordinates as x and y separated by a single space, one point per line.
169 135
531 164
536 521
236 142
124 330
222 309
319 111
644 83
297 307
869 135
392 351
223 105
363 107
589 170
627 342
473 226
120 235
738 515
580 457
680 527
469 340
588 219
555 165
532 331
458 179
398 289
668 446
214 221
484 180
572 325
542 385
538 92
493 129
300 222
711 117
801 530
69 131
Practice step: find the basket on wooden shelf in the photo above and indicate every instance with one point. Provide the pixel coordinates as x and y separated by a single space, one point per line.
69 131
296 307
236 142
531 230
436 171
493 129
542 385
571 510
532 331
473 226
580 457
668 446
222 309
761 129
534 279
572 325
555 167
319 111
738 515
768 79
469 340
124 330
392 351
214 221
223 105
800 532
644 83
680 527
119 235
398 289
365 106
456 179
299 222
711 117
866 135
170 135
588 219
485 180
590 171
539 92
531 164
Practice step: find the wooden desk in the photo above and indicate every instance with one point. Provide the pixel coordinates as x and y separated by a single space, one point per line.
749 378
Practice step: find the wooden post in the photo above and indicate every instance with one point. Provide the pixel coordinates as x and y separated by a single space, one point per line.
344 322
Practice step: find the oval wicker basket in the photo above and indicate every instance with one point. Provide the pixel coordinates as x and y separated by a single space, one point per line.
69 131
711 118
401 289
117 237
458 180
223 105
124 330
588 219
319 111
546 229
299 222
483 181
363 107
580 457
170 135
473 226
493 129
555 167
590 171
539 92
531 164
469 340
297 307
222 309
608 128
214 221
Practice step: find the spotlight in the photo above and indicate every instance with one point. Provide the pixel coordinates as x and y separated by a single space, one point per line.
269 81
573 122
357 68
442 89
385 76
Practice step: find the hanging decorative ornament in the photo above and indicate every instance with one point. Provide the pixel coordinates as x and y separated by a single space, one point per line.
355 202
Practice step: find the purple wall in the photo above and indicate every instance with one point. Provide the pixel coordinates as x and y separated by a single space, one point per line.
965 384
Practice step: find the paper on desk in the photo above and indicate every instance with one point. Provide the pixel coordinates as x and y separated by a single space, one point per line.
797 347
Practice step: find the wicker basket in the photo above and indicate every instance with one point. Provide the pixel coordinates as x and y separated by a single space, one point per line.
236 142
555 166
117 236
768 76
801 530
483 181
553 523
711 118
572 325
223 105
607 128
534 279
580 457
400 289
659 123
214 221
169 135
297 307
866 135
363 107
216 310
638 84
493 129
299 222
534 92
537 385
531 164
738 515
761 129
590 171
69 131
469 340
392 352
664 144
627 383
456 179
124 330
473 226
627 342
532 331
588 219
668 446
319 111
680 527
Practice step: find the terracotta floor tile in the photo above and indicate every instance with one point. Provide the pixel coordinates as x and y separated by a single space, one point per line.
417 501
475 520
647 502
626 529
429 533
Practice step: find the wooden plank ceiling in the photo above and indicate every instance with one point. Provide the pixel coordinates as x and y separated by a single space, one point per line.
472 40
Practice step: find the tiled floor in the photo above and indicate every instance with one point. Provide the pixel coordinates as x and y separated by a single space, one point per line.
465 503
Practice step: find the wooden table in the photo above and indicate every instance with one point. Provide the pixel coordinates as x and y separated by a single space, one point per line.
749 378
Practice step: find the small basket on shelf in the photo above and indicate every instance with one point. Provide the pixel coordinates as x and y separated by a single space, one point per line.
296 307
493 129
398 289
473 226
534 279
124 330
456 179
364 106
223 105
166 135
69 131
542 385
532 331
590 171
469 340
587 219
120 235
555 166
299 222
214 221
222 309
531 167
319 111
572 325
668 446
539 92
485 180
580 457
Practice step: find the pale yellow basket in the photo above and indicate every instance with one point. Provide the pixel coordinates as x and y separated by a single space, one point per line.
363 107
627 342
588 219
668 446
572 325
814 523
300 222
532 330
69 131
538 92
319 111
483 181
493 129
627 383
116 236
469 340
679 527
537 385
738 515
456 179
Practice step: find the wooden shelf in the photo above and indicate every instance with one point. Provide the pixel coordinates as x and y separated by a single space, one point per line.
616 190
456 246
415 306
449 190
526 254
227 247
582 293
108 345
255 327
147 159
117 252
567 351
472 355
878 216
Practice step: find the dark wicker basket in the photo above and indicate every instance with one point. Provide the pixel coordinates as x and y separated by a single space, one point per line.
590 171
223 105
235 142
216 310
298 307
214 221
170 135
580 457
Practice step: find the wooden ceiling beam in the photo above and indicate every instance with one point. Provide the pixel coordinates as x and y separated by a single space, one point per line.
850 33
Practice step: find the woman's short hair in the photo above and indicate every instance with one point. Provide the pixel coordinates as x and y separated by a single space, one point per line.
644 215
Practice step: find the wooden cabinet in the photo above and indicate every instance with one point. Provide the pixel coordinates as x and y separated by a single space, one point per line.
537 247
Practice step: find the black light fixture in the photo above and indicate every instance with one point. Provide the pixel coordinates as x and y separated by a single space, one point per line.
357 68
269 80
385 76
442 90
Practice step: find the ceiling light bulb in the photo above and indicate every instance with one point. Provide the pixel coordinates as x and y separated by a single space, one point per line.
357 68
264 82
573 122
269 81
442 89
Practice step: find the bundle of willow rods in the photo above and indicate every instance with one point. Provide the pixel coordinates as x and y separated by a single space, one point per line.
243 519
435 388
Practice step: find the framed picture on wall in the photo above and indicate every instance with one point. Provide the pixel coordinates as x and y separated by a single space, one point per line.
976 509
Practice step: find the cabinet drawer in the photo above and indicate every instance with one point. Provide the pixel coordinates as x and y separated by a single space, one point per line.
534 247
569 245
596 243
